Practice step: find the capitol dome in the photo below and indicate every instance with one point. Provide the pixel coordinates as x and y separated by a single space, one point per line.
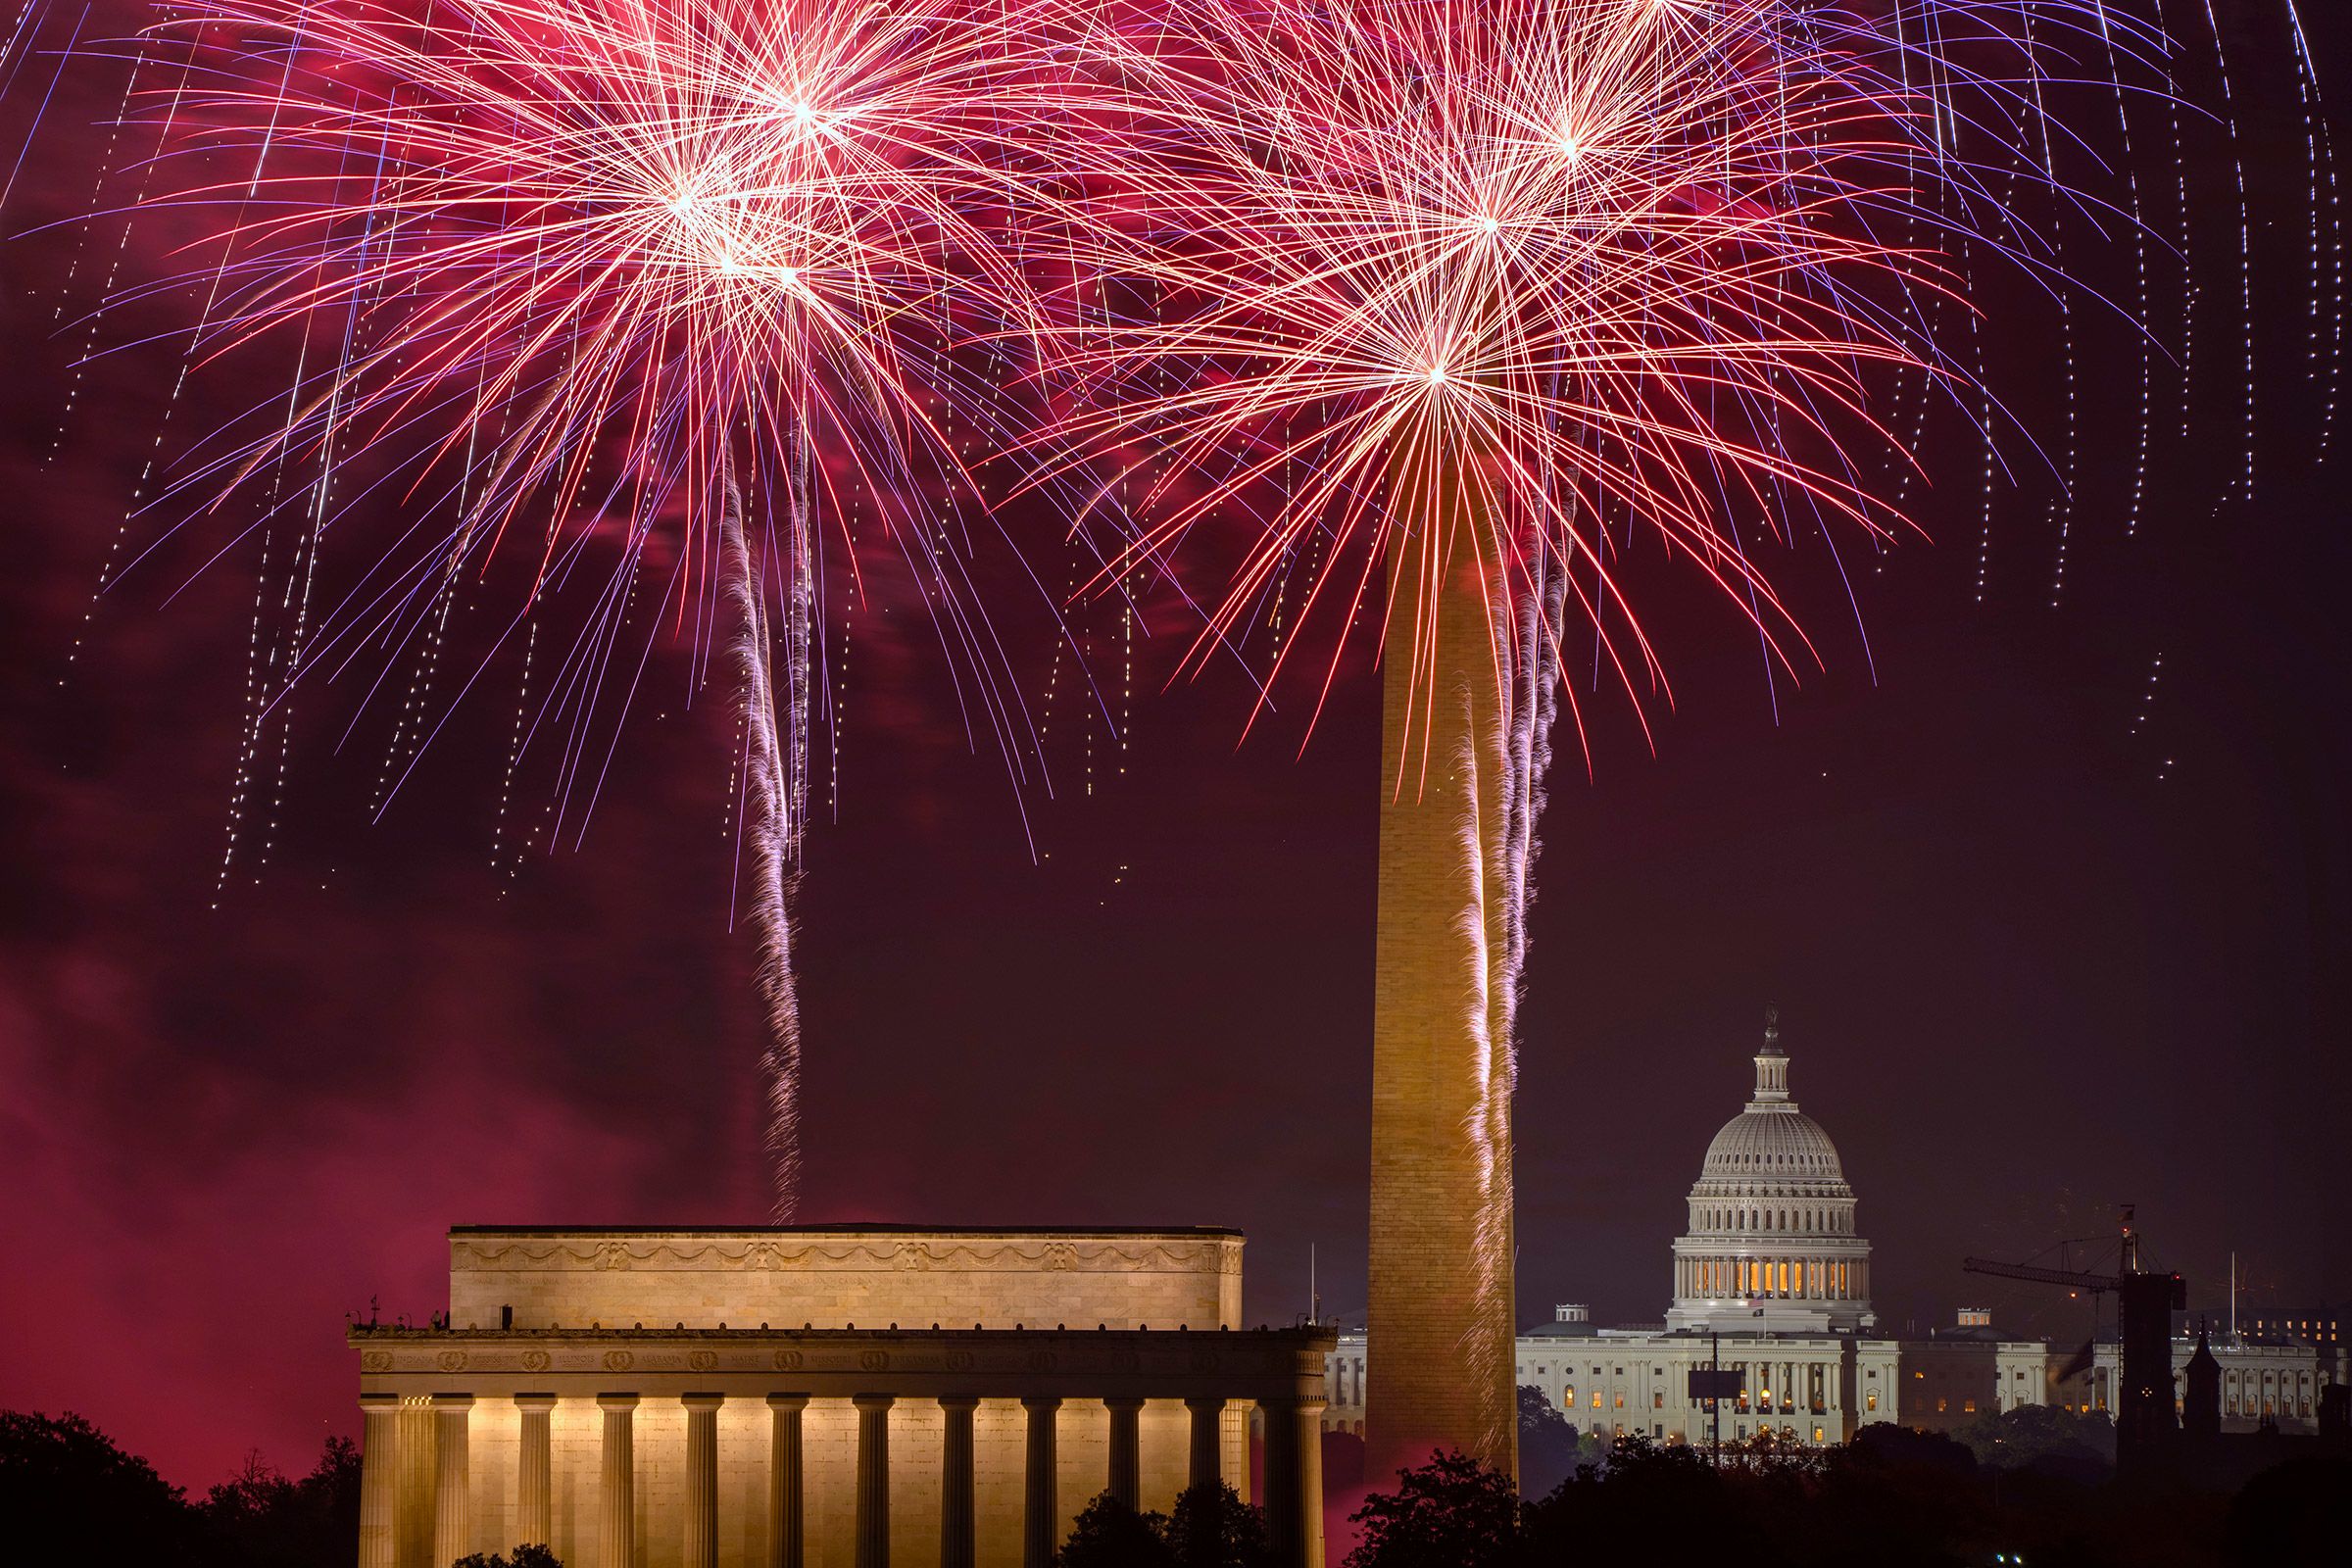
1771 1245
1790 1145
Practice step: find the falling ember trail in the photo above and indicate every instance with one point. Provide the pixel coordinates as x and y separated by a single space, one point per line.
772 825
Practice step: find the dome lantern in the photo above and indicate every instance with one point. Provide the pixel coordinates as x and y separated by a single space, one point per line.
1772 1063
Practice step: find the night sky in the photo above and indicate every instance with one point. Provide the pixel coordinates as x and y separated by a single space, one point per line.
2036 955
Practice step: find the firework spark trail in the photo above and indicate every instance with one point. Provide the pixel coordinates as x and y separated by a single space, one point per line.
647 280
1486 911
775 811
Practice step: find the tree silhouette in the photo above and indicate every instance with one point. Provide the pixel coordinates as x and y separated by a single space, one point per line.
63 1481
1452 1512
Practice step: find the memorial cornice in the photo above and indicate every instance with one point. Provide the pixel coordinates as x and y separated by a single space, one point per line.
1008 1363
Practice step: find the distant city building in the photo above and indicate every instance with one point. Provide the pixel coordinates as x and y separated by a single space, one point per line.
2276 1382
1970 1369
2305 1325
1772 1276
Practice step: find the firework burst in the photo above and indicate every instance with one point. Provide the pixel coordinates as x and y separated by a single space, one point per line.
1447 303
692 274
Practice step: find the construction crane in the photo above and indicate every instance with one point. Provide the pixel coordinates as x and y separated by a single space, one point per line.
2145 1421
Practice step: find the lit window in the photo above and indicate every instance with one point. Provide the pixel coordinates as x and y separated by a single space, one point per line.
1941 1406
1968 1406
1569 1403
1657 1401
1596 1398
1620 1400
1871 1401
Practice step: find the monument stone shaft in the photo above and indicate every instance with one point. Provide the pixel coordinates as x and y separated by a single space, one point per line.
1441 1295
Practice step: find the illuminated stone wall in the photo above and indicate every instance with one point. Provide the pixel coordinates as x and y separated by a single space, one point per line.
564 1349
868 1278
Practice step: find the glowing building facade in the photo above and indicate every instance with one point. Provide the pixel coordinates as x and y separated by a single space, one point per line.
1772 1245
812 1398
1772 1277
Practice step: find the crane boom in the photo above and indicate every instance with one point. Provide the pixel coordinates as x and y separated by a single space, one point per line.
2046 1276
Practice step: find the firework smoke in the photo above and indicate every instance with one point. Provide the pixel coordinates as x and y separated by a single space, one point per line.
774 809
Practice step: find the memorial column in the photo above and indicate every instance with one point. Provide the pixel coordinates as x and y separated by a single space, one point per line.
534 1473
1208 1442
1040 1516
873 1479
1125 1482
702 1478
956 1539
1295 1481
380 1480
787 1532
617 1484
452 1478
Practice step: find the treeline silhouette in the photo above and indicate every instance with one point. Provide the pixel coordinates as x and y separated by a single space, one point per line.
1892 1495
2030 1487
70 1494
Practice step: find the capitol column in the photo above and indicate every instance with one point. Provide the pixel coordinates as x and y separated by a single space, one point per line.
786 1529
873 1478
534 1473
380 1480
1040 1514
616 1485
1208 1442
956 1537
452 1413
702 1478
1126 1448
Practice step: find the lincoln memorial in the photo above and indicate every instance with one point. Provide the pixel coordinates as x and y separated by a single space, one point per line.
818 1397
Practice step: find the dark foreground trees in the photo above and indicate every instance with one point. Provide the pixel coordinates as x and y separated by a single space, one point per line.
64 1486
1210 1528
1890 1496
1451 1512
523 1557
1547 1445
70 1494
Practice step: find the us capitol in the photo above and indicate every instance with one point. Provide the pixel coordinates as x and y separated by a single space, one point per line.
1772 1280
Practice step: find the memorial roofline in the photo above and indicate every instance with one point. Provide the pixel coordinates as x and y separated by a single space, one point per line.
874 1228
